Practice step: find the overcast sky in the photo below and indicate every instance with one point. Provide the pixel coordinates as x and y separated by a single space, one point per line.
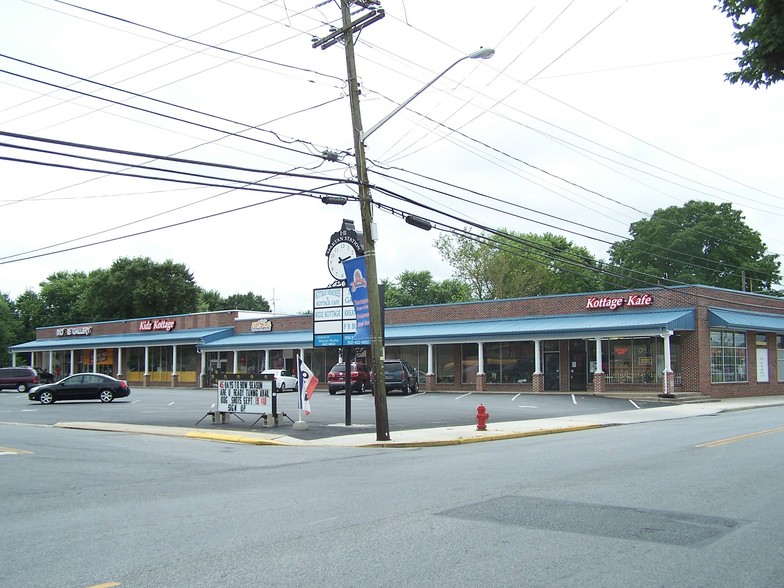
591 115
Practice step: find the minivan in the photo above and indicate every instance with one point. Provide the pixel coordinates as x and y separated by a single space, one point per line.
20 378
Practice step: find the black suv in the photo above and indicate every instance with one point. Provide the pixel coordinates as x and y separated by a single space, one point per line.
399 375
20 378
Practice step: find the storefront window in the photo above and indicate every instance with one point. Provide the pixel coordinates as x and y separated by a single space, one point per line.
134 364
469 363
187 364
416 355
637 360
445 363
250 362
728 357
509 363
780 358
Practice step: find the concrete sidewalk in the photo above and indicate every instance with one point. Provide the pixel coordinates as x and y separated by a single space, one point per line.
450 435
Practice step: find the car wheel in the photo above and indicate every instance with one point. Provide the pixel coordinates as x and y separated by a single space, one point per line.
21 388
332 392
46 397
407 389
362 389
106 396
281 388
416 388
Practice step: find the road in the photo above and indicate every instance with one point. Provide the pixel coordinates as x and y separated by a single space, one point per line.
184 408
689 502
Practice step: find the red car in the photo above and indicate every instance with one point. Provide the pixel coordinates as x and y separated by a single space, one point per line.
360 378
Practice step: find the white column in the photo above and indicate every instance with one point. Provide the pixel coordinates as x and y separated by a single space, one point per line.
430 359
146 361
537 356
266 359
667 355
480 369
236 361
95 360
203 368
70 367
174 360
598 355
119 361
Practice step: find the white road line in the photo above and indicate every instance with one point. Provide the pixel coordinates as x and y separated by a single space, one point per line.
574 400
515 397
526 406
171 403
633 403
463 395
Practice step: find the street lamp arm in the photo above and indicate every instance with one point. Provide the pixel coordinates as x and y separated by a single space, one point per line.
478 54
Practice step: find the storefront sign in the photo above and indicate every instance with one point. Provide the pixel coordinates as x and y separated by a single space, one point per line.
69 331
261 326
157 325
614 302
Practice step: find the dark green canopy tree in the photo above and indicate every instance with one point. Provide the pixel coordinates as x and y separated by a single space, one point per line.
697 243
412 288
759 27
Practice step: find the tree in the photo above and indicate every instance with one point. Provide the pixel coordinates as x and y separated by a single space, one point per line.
62 298
140 287
10 328
697 243
31 311
249 301
509 264
759 27
419 288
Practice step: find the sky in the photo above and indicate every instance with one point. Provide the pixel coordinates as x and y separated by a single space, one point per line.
591 115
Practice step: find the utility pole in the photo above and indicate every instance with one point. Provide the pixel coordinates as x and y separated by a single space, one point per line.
346 34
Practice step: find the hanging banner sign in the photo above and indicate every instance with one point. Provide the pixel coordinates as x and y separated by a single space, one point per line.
356 279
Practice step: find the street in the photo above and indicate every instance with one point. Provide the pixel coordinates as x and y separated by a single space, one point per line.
689 502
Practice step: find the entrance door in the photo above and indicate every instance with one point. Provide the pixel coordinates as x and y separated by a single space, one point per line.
552 370
578 369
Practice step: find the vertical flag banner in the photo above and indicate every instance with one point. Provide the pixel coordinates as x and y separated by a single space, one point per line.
307 382
356 279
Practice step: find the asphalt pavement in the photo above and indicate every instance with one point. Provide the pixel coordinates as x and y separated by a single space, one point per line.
447 435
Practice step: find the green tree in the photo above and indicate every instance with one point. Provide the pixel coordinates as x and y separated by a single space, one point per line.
10 328
210 300
419 288
697 243
136 287
32 313
62 297
249 301
759 27
510 265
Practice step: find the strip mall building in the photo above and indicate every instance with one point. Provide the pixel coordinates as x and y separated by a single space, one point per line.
684 340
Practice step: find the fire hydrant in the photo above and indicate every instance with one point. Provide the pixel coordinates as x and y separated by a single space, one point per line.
481 418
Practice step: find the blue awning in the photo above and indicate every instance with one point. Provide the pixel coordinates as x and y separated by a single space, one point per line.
268 340
752 321
185 337
582 326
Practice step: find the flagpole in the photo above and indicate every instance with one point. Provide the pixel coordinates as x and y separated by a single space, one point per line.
300 425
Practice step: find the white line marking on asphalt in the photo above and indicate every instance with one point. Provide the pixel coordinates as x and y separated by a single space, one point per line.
134 401
463 396
526 406
515 397
574 400
171 403
633 403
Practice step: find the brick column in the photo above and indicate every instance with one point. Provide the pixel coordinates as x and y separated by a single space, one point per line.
538 382
481 382
430 382
599 382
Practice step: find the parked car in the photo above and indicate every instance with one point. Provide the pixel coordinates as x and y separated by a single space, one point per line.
360 378
400 375
20 378
43 376
283 380
81 387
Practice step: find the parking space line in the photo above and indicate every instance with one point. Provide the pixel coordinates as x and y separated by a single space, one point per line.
463 395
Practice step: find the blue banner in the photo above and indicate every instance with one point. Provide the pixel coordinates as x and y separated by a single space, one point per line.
356 280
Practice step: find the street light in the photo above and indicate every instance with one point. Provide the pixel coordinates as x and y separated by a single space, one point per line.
366 211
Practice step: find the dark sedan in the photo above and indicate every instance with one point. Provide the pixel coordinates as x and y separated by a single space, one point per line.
81 387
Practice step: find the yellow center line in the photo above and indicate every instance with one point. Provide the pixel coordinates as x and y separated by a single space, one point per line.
740 437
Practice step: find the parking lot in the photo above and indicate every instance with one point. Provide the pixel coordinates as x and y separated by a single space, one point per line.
187 407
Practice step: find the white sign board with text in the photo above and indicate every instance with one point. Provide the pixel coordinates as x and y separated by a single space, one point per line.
249 396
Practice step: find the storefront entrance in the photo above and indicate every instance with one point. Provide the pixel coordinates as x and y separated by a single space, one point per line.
552 365
578 372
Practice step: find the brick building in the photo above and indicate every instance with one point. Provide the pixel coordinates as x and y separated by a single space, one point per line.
689 339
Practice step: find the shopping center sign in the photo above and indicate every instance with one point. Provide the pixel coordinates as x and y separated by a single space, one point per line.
615 302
